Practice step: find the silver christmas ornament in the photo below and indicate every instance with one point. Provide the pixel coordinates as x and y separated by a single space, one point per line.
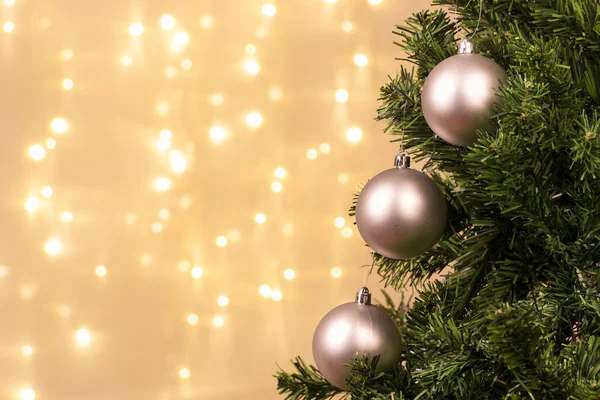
353 330
459 95
401 213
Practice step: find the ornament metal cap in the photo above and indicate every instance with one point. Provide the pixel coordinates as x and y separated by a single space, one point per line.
465 47
363 296
402 160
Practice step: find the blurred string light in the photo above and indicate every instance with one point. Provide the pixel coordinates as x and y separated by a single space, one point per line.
179 41
50 143
83 337
347 26
330 1
146 259
46 191
157 227
9 3
207 22
217 99
276 187
252 67
361 60
101 270
339 222
347 232
8 26
375 2
275 94
37 152
126 60
325 148
250 49
164 141
254 119
27 350
311 154
221 241
269 10
265 290
162 184
289 274
223 301
336 272
260 218
184 373
354 134
341 95
163 108
196 272
177 161
67 84
27 394
276 295
32 204
59 125
234 235
343 178
66 216
167 22
192 319
184 265
217 133
136 29
164 214
185 202
186 64
218 321
66 54
287 229
280 172
170 72
53 247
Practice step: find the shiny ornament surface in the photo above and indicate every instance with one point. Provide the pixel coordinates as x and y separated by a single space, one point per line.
401 213
353 329
459 96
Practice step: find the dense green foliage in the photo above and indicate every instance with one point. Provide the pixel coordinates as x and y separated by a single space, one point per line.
518 316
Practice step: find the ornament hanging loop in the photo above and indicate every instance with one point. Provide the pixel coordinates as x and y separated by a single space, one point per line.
363 296
402 160
465 47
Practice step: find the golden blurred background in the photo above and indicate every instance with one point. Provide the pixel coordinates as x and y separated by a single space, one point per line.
176 178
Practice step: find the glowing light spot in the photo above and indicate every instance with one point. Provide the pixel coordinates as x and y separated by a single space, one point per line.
374 2
221 241
325 148
83 337
185 202
46 191
136 29
217 133
50 143
126 60
184 265
275 94
339 222
163 108
234 235
101 270
347 26
157 227
179 41
347 232
59 125
37 152
330 1
146 259
196 272
184 373
164 214
260 218
170 72
162 184
289 274
336 272
27 350
67 84
354 134
66 54
3 271
206 22
361 60
217 99
343 178
276 187
254 119
218 321
265 291
192 319
9 3
53 247
252 67
32 204
186 64
287 229
167 22
269 10
163 144
177 161
63 310
27 291
223 301
27 394
66 216
276 295
260 33
311 154
250 49
341 95
9 26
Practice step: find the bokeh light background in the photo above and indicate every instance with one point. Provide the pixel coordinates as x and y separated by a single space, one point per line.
175 183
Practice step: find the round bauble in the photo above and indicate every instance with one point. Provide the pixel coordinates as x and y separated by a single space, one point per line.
459 96
353 330
401 213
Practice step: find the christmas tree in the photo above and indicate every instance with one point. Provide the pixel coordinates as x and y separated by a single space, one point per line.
514 309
